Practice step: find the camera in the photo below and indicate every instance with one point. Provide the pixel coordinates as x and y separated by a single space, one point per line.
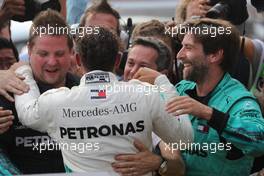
234 11
33 7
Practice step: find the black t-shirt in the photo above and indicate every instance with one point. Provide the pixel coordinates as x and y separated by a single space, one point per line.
23 144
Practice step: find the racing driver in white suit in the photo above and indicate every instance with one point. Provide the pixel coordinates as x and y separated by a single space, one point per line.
101 114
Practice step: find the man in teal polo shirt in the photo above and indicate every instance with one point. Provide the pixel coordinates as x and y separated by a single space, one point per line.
226 118
227 121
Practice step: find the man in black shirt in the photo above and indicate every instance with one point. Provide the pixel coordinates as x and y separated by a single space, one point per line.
50 50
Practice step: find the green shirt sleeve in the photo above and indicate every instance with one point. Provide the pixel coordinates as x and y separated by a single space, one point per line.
245 127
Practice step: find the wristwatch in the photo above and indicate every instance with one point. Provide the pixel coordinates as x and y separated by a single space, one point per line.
163 167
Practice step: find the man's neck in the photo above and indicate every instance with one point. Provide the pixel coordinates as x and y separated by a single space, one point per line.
58 85
204 87
62 84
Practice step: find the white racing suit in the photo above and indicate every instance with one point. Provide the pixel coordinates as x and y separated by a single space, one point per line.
101 117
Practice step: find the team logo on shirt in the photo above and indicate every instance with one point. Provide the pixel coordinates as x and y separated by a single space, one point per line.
98 94
203 128
115 129
101 77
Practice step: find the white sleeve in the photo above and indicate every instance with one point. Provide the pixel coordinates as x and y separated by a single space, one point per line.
169 128
155 140
27 105
167 90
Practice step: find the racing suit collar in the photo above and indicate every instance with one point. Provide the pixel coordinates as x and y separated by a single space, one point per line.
226 78
192 92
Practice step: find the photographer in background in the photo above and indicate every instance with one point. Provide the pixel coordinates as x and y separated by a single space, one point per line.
11 8
8 9
22 10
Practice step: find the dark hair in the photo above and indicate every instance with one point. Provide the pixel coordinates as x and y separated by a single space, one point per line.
98 51
157 29
164 53
4 43
50 19
102 7
229 42
152 28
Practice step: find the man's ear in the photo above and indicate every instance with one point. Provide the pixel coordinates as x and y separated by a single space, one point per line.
216 57
165 72
80 65
78 59
117 60
29 49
